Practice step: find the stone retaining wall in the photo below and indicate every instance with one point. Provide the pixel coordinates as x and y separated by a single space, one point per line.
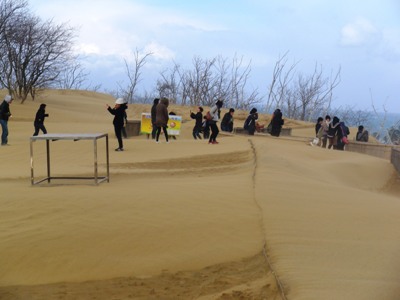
395 158
378 150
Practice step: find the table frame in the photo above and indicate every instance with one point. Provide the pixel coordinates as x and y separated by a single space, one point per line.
74 137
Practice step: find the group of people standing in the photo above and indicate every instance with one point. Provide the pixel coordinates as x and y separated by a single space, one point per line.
208 124
331 133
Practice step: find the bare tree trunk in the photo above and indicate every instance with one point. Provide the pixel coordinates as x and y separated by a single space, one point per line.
133 72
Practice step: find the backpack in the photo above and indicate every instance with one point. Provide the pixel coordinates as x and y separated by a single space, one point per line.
345 131
208 116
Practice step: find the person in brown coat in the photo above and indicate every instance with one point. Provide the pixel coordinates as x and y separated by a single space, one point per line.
162 118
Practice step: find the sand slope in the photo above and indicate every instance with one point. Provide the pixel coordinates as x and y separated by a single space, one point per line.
187 220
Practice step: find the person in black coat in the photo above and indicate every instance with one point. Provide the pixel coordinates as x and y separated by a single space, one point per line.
362 134
332 132
123 130
199 122
153 118
119 113
342 131
277 123
5 114
206 128
250 123
39 120
227 121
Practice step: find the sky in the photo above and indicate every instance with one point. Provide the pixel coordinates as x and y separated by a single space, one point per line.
361 37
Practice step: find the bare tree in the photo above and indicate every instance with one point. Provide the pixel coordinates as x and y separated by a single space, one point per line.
314 92
209 80
10 12
34 53
134 73
236 89
353 116
169 84
280 90
300 96
72 77
382 134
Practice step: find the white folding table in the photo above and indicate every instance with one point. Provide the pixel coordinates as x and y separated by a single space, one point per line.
71 137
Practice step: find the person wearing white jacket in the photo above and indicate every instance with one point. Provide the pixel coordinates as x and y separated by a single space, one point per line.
215 111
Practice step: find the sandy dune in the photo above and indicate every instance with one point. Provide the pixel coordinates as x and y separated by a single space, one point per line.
188 220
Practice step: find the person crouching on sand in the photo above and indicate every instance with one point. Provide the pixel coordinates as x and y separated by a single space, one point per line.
119 113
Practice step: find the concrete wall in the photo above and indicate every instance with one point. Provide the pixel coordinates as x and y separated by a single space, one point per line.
378 150
284 131
133 128
395 158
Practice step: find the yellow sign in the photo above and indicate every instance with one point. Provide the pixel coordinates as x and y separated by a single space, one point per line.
174 124
145 125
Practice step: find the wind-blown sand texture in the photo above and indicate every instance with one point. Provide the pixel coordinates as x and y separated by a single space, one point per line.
188 220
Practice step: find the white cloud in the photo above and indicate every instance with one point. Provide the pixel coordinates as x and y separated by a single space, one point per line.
358 33
121 27
391 39
84 48
159 51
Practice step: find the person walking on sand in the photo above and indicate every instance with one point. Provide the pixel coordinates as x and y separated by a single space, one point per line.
5 115
153 118
162 118
39 120
215 113
119 112
199 122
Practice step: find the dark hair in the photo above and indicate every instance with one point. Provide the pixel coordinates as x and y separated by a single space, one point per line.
327 117
360 128
219 103
201 109
156 100
231 110
335 120
253 111
319 119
